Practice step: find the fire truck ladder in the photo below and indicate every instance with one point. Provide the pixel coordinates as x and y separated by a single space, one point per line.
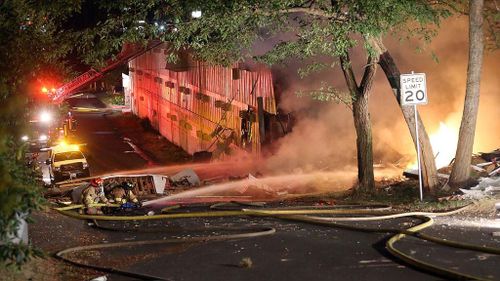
75 84
128 52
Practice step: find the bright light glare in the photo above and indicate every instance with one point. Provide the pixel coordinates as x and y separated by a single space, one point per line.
24 138
44 90
65 146
43 138
45 117
196 14
444 144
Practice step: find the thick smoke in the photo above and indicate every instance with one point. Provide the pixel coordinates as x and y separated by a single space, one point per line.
324 136
446 82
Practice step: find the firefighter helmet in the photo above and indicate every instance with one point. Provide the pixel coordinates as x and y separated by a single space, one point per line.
127 185
96 182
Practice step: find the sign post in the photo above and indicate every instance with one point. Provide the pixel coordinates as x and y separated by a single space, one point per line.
414 92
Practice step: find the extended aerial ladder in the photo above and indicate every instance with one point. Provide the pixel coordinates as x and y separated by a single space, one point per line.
128 52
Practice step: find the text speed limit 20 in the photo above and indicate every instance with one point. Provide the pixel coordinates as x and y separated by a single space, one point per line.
413 89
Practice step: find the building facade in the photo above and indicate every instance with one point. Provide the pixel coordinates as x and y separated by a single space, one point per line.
202 107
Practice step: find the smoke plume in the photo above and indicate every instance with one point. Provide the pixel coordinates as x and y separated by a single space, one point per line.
324 136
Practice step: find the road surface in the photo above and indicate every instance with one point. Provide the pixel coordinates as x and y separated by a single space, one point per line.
297 251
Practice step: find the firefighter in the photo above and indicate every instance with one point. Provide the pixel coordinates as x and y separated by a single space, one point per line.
93 194
122 194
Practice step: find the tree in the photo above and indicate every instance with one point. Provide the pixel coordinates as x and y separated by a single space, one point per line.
29 40
227 31
362 122
391 70
326 28
460 173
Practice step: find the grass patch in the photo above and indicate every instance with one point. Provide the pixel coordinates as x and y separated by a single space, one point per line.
45 269
403 196
113 99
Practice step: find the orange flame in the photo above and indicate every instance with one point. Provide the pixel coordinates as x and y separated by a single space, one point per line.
444 145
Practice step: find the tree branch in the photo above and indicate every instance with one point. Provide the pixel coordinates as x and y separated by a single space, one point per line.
350 79
309 11
368 76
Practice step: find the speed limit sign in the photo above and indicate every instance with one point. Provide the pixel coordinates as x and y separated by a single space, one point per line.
414 92
413 89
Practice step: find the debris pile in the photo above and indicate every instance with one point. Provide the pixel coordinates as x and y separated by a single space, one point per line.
486 167
487 164
487 187
185 178
482 164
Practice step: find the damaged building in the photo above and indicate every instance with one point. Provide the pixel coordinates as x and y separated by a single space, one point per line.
205 109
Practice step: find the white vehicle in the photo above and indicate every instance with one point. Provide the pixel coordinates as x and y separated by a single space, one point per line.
67 162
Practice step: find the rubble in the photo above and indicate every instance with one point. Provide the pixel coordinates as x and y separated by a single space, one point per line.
483 165
185 178
257 188
486 166
487 187
413 174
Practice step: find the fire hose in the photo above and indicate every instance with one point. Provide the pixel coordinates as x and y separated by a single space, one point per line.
61 254
303 215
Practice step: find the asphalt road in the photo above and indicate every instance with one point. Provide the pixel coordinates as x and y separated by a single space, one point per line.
104 148
297 251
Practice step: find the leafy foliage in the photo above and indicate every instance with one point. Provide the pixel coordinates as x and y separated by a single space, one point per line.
492 19
231 31
329 93
491 13
116 99
29 32
35 34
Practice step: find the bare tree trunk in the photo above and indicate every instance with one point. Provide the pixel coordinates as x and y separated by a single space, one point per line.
363 128
460 174
361 116
430 180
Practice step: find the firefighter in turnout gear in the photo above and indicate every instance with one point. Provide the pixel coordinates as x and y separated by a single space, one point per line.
93 194
122 194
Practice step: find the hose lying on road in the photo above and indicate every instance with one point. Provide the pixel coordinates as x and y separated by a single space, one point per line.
367 210
400 234
303 214
61 254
